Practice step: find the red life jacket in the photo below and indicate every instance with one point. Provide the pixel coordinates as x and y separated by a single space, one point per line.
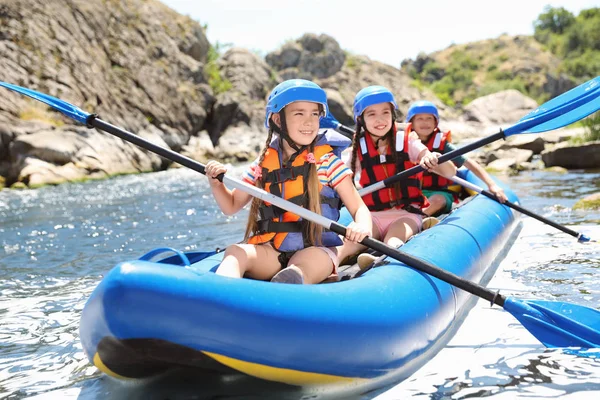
436 143
377 167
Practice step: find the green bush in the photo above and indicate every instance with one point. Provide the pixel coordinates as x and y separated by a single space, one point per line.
555 20
592 127
585 66
497 86
212 71
576 40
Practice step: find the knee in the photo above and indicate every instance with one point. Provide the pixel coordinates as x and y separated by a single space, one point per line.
439 201
238 251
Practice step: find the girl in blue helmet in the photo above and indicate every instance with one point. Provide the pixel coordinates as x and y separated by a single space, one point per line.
302 166
379 151
423 119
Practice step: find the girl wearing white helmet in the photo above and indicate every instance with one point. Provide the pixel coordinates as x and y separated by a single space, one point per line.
302 166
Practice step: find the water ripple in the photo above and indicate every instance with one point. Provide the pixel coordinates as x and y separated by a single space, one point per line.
56 244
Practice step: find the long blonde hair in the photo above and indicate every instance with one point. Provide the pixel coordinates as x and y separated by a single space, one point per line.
313 232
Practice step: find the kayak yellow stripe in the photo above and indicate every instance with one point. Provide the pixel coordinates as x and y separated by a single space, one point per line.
100 365
284 375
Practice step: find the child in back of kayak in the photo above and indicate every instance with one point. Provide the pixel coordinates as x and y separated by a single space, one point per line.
379 151
423 119
302 166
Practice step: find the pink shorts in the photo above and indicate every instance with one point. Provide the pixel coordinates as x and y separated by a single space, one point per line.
383 219
333 255
330 251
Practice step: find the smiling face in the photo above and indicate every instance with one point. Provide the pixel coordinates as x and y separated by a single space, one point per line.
302 121
424 125
378 119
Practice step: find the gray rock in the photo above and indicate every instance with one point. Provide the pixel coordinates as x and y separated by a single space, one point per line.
503 165
517 155
244 104
137 63
309 57
501 108
569 156
240 144
199 148
525 142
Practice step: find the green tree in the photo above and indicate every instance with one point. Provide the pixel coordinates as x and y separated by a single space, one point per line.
555 20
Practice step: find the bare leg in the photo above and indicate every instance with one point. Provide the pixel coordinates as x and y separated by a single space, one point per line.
437 202
348 249
316 265
397 234
402 229
257 261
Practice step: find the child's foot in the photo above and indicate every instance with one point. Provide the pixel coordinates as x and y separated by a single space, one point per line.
429 222
290 274
365 259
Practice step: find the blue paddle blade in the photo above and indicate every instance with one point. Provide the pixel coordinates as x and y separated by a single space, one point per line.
569 117
568 97
67 109
561 111
557 324
329 122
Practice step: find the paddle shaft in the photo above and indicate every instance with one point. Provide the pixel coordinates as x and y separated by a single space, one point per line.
568 330
579 236
517 207
308 215
558 330
346 130
443 158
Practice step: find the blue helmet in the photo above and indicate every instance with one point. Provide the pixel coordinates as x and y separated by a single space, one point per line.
371 95
294 90
422 107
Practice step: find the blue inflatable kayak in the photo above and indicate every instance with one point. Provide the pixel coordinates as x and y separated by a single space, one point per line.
149 317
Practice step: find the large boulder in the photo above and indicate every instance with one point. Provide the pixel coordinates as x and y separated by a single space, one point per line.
501 108
136 63
311 56
244 104
579 156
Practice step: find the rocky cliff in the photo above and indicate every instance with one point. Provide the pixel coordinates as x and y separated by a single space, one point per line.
145 68
136 63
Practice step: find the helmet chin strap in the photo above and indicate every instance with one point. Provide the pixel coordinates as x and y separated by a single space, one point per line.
282 132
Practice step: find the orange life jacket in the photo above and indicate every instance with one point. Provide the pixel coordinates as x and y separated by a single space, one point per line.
377 167
436 142
284 229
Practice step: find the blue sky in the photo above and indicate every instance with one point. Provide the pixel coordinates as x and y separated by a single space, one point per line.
387 31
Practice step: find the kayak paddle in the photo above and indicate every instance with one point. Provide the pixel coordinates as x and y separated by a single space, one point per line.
554 323
329 121
563 110
578 235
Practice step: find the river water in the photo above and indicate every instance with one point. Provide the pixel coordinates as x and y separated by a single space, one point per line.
57 242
